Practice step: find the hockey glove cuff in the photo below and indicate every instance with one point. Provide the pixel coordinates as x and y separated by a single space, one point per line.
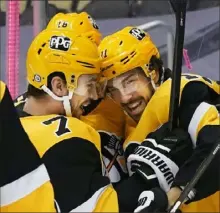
152 164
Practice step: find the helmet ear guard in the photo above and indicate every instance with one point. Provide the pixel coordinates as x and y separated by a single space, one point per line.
155 69
156 65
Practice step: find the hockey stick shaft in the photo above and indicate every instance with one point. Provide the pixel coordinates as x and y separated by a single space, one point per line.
179 8
204 165
180 13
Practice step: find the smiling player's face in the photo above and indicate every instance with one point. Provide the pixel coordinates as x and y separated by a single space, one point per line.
85 92
132 90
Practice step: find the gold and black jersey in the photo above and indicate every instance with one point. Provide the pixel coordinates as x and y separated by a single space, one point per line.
71 151
109 120
194 90
24 180
113 125
198 115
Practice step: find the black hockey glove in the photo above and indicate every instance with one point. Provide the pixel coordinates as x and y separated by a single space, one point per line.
154 200
160 155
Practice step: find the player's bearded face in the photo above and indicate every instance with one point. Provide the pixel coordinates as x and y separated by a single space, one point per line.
132 90
84 94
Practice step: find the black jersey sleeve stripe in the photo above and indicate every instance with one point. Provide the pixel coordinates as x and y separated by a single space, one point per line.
23 186
209 183
17 154
192 96
75 169
198 115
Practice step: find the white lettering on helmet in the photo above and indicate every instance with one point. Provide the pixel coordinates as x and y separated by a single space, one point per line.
137 33
60 43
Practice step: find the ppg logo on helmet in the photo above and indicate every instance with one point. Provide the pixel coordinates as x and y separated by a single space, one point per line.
60 43
137 33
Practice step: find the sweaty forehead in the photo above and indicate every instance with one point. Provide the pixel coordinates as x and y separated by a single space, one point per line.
88 78
123 77
92 77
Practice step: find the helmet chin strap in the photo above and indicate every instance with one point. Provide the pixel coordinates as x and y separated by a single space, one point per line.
153 85
162 75
152 82
161 80
65 99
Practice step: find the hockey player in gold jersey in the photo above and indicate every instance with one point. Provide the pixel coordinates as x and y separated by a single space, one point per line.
24 183
138 82
108 117
62 72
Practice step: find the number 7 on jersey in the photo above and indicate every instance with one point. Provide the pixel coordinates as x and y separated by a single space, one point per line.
62 125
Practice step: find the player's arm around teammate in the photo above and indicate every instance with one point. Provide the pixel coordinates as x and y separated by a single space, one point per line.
24 183
107 117
63 71
136 80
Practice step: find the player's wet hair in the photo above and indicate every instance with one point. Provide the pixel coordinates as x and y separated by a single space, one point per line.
157 65
38 93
